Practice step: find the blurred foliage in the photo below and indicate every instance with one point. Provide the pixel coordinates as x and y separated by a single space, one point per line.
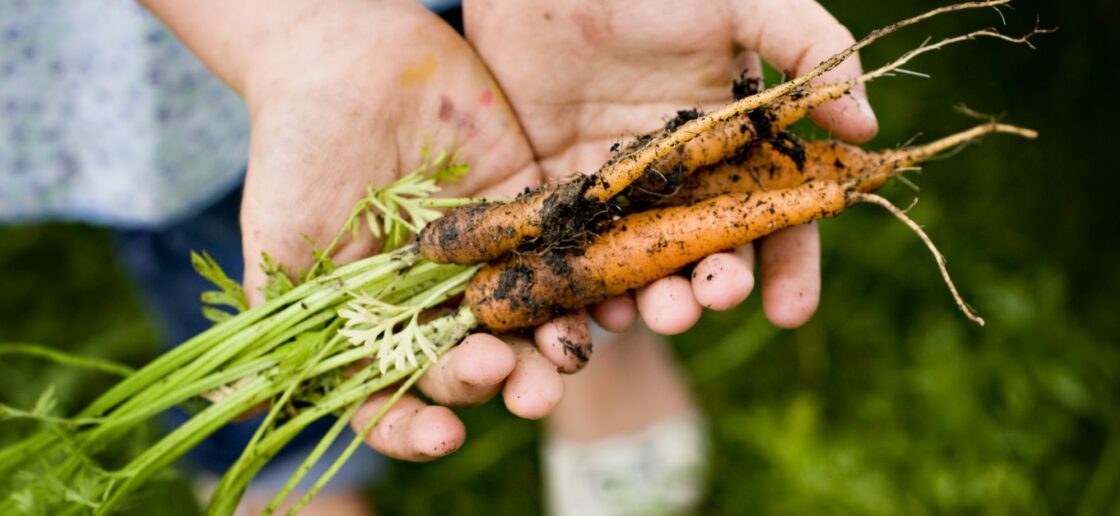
61 287
889 401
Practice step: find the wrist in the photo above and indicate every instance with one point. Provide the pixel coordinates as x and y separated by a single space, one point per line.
257 46
322 41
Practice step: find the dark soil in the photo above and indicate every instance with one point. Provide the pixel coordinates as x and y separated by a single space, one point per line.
569 219
683 117
745 86
580 350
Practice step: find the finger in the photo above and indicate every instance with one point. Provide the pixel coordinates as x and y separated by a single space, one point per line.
469 373
796 36
723 280
410 430
616 314
534 388
791 275
566 341
668 306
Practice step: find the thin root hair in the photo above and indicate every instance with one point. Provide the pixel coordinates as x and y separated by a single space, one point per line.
620 173
925 47
907 182
963 109
940 258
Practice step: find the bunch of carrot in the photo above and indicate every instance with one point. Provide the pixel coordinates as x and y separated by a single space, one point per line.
706 183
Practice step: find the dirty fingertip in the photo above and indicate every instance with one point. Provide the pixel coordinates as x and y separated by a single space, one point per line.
436 431
566 341
483 360
722 281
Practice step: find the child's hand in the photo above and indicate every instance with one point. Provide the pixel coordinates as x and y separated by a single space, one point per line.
583 75
344 94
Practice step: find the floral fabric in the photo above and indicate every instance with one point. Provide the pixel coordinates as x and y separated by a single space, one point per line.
106 117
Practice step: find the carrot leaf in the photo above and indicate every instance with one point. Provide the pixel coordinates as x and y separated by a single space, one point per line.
229 293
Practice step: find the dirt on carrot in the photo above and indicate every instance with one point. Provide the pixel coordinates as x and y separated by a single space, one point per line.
525 290
656 164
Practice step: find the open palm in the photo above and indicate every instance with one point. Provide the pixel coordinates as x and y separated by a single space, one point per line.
349 102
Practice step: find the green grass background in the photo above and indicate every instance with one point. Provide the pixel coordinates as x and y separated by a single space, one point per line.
889 401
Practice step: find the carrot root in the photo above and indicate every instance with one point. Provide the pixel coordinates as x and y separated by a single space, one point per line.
617 174
877 200
918 154
770 168
829 92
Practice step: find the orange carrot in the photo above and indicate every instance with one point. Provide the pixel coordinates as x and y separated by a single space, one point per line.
770 167
659 161
525 290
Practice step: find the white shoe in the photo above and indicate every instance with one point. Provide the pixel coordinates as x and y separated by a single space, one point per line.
660 470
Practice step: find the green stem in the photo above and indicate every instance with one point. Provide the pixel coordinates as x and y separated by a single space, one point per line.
8 412
262 345
310 324
243 325
312 458
226 497
62 357
358 439
167 392
175 444
122 420
447 330
285 398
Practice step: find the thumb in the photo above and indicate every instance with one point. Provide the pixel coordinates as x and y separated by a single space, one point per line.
796 36
275 224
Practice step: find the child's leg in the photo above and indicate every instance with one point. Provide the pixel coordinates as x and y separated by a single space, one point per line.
627 438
